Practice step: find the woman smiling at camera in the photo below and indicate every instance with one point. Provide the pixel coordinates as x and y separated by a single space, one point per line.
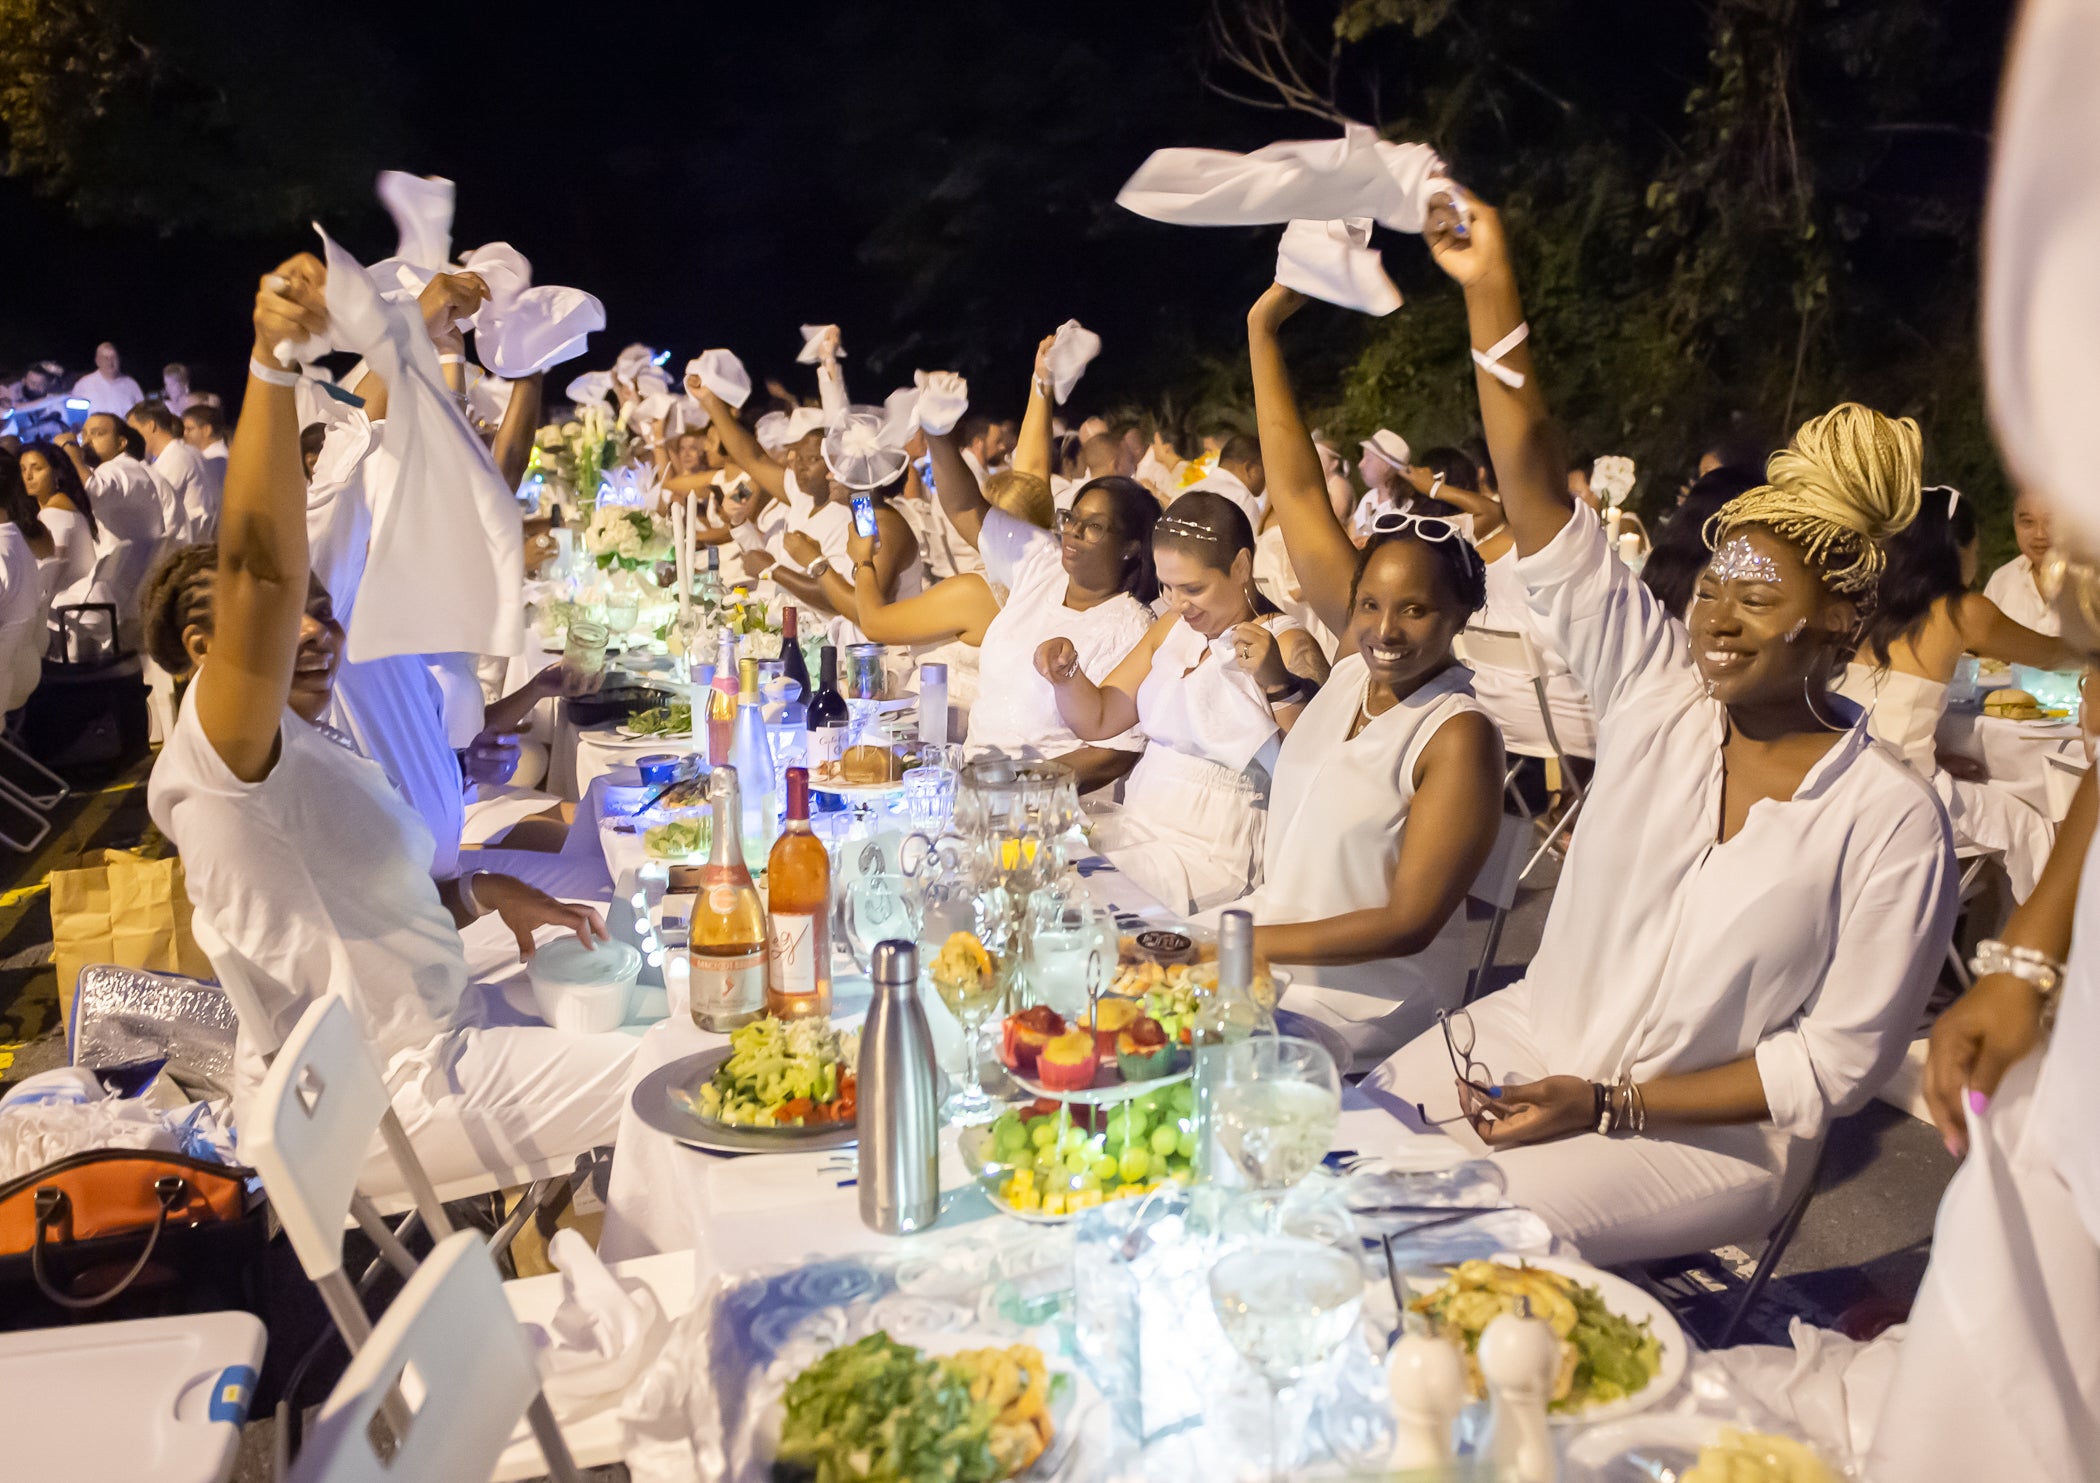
1758 898
1213 686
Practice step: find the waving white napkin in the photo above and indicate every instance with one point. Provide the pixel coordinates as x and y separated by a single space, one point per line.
1358 174
723 374
446 558
1073 349
421 206
605 1331
814 340
591 386
522 329
632 361
1334 261
777 431
942 398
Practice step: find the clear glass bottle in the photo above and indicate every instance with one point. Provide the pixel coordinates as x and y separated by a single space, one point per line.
798 913
1225 1016
722 701
751 754
727 951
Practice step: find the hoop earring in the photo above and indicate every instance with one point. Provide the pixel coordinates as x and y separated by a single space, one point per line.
1808 699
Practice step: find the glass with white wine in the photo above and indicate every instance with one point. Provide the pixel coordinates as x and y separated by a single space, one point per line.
1286 1304
1276 1100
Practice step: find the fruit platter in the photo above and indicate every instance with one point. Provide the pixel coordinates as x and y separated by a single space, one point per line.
1111 1054
1169 992
1051 1161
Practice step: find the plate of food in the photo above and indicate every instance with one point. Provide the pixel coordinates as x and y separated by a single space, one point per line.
1049 1162
879 1408
778 1084
857 782
1621 1350
680 839
1169 991
657 722
1693 1449
1116 1054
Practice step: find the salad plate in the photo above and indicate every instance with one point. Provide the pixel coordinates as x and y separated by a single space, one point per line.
663 1101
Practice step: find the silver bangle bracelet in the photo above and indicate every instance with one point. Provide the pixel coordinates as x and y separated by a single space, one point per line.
2029 965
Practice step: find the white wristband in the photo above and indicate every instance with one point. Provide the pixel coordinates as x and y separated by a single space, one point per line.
452 360
467 897
271 375
1490 360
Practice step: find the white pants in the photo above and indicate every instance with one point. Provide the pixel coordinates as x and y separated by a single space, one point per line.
1189 831
1618 1199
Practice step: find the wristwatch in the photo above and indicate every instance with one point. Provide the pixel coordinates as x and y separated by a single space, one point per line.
819 567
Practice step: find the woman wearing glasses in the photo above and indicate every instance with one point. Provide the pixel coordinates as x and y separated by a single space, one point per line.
1758 899
1090 583
1212 686
1388 789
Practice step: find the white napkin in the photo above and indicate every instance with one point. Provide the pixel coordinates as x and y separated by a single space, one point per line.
656 1427
446 556
605 1331
488 397
942 398
521 329
591 386
1071 352
421 206
1358 174
1334 261
779 430
338 516
634 360
814 338
723 374
747 1186
686 416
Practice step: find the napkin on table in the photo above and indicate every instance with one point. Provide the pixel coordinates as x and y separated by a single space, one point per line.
604 1332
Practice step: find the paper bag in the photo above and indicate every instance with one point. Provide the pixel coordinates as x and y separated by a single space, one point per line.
121 908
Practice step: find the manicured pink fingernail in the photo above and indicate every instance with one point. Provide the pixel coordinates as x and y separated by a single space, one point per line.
1978 1102
1953 1148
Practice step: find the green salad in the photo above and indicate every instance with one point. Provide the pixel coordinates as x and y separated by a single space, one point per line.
1604 1356
663 720
681 839
783 1073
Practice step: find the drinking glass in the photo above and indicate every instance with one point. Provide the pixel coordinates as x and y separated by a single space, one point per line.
929 796
878 908
1286 1304
951 907
1071 950
583 658
623 606
1277 1099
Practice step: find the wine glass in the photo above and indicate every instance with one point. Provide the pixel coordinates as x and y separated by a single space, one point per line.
1071 951
951 908
877 908
1286 1304
1277 1099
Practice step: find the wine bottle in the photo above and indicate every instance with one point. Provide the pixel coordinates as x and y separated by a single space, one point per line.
798 913
721 704
727 952
1224 1017
751 754
792 664
710 595
827 712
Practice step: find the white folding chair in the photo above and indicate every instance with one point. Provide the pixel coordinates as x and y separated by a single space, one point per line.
1513 650
449 1356
1496 885
313 1120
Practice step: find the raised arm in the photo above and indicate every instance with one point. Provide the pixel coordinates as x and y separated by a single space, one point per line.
1320 549
521 420
957 487
743 447
1987 631
1098 712
1531 471
259 596
961 606
1032 443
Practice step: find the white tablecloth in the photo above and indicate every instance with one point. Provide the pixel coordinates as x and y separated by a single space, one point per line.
2014 753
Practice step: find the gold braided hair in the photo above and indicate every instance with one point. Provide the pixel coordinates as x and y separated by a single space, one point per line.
1847 482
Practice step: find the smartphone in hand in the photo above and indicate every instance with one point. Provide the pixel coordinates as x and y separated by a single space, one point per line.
864 516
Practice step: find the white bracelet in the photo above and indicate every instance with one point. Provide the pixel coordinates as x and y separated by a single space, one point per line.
1490 360
271 375
467 897
2029 965
452 360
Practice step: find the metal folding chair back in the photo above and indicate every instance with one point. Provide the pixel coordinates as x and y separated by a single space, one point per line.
1512 649
1496 885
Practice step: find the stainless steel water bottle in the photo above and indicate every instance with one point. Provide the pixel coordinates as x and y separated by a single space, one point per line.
899 1094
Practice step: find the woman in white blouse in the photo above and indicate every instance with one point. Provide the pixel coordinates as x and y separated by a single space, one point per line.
1758 898
68 514
1213 685
1092 583
308 871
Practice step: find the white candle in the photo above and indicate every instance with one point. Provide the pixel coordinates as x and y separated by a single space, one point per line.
692 532
678 559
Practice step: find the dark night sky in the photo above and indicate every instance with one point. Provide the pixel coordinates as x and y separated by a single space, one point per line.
938 178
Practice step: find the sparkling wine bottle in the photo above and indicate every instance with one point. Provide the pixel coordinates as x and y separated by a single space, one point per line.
1228 1015
751 754
721 703
798 911
728 943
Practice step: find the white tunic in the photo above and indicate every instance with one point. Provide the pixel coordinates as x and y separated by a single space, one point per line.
2012 588
1510 698
1809 940
394 709
1191 825
181 469
22 610
67 569
130 504
1016 709
1337 813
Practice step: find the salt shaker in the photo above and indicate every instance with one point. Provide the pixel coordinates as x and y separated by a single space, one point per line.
1427 1377
1519 1356
900 1181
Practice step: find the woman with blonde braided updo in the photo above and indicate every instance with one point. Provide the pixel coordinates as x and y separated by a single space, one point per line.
1757 898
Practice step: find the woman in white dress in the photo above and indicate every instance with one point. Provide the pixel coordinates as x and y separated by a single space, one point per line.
68 514
308 872
1924 620
1213 686
1758 899
1387 792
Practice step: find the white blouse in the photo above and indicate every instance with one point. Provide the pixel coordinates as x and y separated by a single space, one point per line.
1511 699
1016 709
2012 588
73 562
1278 581
1810 939
1204 705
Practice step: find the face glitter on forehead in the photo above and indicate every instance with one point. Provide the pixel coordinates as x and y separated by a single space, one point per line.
1736 560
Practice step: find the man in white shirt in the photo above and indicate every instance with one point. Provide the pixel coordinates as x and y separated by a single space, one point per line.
129 502
2012 587
107 388
181 468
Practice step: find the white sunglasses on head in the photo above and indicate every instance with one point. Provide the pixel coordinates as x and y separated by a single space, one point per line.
1426 527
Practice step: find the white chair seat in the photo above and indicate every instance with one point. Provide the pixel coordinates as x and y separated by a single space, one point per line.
591 1428
150 1398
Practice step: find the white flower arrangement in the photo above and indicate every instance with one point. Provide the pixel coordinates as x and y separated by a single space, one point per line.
626 538
1611 479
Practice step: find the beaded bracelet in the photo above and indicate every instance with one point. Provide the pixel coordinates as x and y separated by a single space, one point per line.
2030 965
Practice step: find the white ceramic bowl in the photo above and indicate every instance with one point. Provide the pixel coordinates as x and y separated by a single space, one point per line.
584 990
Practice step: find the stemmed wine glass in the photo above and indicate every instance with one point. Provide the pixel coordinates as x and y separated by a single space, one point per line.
1286 1303
951 908
1277 1100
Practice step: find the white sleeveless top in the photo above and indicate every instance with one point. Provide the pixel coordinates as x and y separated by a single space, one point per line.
1207 707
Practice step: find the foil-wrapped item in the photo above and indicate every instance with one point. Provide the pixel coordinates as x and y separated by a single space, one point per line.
127 1016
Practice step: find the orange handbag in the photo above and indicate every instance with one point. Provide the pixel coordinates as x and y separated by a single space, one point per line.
79 1206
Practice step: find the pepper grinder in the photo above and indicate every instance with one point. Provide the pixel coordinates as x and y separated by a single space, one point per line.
1427 1377
1519 1356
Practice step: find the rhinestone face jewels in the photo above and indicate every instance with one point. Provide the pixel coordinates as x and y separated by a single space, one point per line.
1736 560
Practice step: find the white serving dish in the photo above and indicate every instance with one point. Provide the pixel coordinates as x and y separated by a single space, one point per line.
585 991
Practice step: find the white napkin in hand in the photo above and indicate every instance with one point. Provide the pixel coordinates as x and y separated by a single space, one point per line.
816 339
521 329
634 360
943 397
1358 174
421 206
723 374
1334 261
604 1333
591 386
1071 352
